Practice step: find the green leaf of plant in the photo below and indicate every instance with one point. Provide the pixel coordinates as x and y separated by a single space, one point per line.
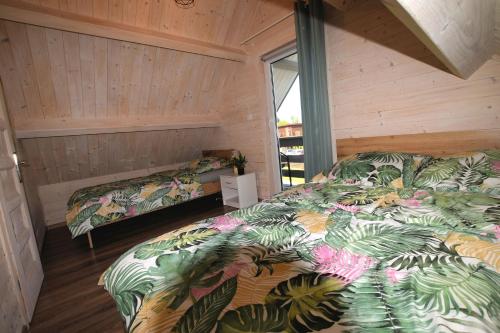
383 157
473 172
202 316
254 318
85 213
257 213
448 288
158 194
355 169
379 240
386 174
182 241
179 272
273 235
437 172
96 220
310 301
409 170
493 154
374 305
128 284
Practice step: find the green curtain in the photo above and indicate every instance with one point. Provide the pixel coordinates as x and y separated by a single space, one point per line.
313 87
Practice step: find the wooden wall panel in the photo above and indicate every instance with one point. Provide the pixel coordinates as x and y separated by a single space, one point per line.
383 81
53 74
62 159
497 26
247 115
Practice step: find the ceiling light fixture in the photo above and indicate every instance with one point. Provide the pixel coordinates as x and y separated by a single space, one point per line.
185 3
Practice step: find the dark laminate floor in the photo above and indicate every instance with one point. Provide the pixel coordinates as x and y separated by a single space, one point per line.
70 300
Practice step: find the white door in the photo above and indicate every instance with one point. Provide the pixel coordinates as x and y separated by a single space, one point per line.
16 229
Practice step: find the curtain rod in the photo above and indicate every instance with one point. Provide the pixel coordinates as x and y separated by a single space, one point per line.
266 28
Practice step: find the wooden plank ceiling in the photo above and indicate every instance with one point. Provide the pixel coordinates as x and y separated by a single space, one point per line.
222 22
55 19
460 33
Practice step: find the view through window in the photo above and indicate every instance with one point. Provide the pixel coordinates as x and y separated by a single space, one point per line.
286 90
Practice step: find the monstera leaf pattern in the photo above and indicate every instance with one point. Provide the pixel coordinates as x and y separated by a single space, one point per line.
310 301
477 172
254 318
393 242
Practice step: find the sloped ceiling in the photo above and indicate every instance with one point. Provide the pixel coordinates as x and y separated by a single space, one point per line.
224 22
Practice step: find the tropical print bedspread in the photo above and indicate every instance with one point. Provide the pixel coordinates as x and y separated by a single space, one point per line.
365 250
101 204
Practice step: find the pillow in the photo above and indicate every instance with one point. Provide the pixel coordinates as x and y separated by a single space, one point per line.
472 172
395 169
207 164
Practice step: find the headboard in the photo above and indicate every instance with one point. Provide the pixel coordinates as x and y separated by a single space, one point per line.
436 144
222 153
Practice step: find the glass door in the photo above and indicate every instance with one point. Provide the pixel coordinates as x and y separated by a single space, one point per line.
288 118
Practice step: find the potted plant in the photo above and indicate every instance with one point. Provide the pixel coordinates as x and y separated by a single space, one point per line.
239 162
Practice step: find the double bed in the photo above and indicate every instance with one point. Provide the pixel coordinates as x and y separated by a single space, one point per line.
97 206
383 242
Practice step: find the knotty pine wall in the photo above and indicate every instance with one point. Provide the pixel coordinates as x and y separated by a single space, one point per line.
383 81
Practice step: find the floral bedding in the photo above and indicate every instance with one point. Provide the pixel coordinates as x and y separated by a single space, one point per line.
97 205
207 164
370 249
93 206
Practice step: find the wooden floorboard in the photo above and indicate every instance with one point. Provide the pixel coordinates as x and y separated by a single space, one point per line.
70 299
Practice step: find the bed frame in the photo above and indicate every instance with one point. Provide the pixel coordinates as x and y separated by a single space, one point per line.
209 188
436 144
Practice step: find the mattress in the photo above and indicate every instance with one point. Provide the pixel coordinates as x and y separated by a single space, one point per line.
213 176
383 242
98 205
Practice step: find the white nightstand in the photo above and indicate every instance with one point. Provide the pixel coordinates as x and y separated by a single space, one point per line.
239 191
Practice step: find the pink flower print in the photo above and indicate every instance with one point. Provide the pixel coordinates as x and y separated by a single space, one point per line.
353 209
341 262
394 275
104 200
420 193
173 185
412 202
495 165
497 231
216 165
195 194
226 223
307 191
331 176
132 211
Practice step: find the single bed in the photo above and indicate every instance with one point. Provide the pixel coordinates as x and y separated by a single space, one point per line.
100 205
384 242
